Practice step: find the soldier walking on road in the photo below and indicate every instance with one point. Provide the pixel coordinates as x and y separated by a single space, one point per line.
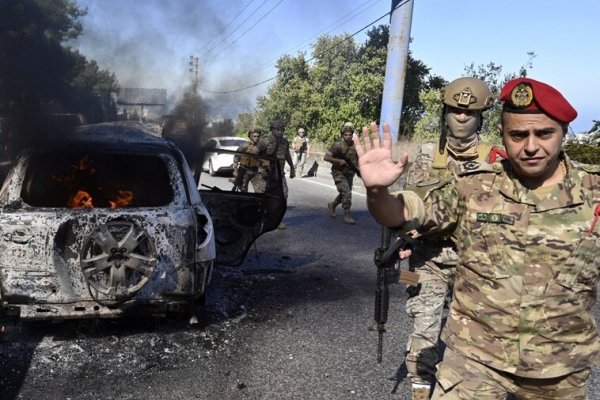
246 168
527 235
276 144
344 162
301 148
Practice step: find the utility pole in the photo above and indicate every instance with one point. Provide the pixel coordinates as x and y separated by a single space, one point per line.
396 65
391 111
193 69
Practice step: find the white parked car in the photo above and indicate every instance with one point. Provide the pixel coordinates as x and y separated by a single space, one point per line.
216 162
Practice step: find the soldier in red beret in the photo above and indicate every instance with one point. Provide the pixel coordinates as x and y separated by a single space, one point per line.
528 239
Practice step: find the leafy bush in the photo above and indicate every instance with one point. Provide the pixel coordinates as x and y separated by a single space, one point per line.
584 153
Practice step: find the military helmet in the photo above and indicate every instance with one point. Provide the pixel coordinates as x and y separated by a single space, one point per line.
469 93
277 124
348 126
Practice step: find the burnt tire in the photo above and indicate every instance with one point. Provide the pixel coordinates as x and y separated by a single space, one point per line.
117 260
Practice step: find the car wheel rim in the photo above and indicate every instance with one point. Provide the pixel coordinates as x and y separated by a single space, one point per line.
117 260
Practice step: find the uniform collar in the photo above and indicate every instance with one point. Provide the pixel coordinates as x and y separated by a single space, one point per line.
569 192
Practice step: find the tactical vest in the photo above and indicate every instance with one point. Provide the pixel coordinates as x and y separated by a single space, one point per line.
299 144
249 162
432 168
440 161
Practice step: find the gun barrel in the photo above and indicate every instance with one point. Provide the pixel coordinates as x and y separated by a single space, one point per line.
380 347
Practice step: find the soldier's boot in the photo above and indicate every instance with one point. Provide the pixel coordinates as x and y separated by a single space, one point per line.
420 392
331 207
348 218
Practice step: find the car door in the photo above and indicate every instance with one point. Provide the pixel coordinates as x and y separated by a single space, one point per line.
239 218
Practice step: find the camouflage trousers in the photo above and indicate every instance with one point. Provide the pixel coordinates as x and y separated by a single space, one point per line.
426 307
460 378
260 183
245 176
299 161
343 184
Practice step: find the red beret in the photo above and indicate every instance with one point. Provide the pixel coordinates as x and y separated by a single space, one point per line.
526 95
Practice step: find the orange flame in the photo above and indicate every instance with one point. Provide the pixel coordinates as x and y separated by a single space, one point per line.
81 199
123 200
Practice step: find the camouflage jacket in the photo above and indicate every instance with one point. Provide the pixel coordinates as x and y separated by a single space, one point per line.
427 171
525 288
270 145
341 149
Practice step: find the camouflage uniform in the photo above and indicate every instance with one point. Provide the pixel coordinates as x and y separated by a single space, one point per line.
300 147
270 145
525 287
343 176
433 260
248 169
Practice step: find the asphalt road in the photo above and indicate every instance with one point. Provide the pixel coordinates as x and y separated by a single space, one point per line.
291 323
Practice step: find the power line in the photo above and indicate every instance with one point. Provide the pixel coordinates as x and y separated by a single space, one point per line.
225 27
328 29
244 33
310 59
232 32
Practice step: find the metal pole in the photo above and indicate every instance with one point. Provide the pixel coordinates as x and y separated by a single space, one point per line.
391 110
396 64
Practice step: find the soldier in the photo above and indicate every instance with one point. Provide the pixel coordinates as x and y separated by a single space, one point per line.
344 161
464 100
521 319
276 144
246 168
301 148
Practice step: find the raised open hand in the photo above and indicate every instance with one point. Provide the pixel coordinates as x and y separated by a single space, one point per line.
377 167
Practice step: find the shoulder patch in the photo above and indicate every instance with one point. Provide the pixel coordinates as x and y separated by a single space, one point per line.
470 165
477 167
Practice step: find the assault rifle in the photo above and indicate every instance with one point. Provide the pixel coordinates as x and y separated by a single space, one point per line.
349 163
386 260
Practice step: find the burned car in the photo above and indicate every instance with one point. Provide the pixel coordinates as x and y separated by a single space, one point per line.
107 219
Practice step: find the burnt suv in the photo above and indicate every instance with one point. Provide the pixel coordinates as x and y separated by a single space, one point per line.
108 219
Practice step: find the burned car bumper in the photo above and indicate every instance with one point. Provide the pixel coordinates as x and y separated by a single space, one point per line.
89 264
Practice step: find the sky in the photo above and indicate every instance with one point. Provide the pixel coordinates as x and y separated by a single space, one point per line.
148 43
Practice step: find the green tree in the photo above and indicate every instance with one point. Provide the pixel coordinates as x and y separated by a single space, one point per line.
341 82
243 124
492 75
428 127
39 75
91 90
595 126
